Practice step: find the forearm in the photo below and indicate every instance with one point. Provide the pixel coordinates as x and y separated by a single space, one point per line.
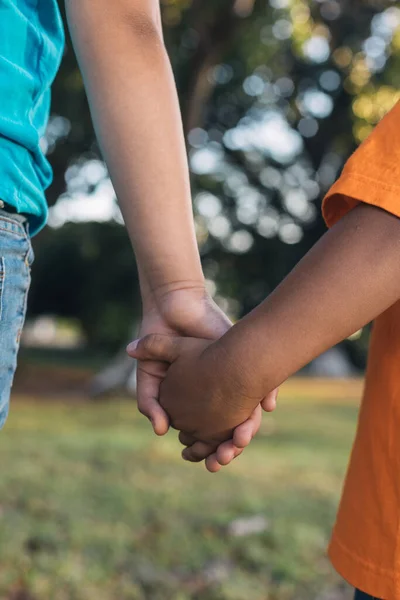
347 279
135 111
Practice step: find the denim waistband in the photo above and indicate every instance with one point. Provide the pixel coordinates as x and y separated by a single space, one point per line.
14 222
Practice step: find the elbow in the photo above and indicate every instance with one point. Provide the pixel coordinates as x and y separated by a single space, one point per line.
143 21
144 27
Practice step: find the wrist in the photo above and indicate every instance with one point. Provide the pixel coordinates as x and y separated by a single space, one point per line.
229 369
172 296
188 309
242 352
183 305
159 294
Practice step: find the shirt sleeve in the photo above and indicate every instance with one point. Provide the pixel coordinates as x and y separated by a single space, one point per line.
371 175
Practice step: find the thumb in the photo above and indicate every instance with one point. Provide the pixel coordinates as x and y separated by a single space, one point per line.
156 346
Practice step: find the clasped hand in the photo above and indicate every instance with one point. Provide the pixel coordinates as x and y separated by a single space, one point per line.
203 395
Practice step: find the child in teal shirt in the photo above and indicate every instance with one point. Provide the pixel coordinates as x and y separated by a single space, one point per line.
133 100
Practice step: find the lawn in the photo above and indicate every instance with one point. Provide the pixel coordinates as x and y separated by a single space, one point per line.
93 507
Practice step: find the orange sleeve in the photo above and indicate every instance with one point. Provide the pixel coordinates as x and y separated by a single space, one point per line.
371 175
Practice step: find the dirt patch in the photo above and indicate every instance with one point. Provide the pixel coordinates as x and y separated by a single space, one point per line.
51 380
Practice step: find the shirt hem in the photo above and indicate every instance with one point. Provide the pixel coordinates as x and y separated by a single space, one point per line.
15 199
366 576
349 191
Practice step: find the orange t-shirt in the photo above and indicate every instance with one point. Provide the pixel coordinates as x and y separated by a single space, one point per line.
365 545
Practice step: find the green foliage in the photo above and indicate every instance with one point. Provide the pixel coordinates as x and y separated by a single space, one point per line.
275 96
87 271
94 507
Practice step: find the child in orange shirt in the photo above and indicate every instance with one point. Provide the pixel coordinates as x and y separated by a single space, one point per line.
350 277
365 546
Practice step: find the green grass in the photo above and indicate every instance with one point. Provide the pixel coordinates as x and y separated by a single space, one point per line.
93 507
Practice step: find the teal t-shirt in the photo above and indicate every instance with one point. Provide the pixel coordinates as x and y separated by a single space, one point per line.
31 47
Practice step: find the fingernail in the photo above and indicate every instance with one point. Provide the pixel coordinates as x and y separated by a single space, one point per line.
132 346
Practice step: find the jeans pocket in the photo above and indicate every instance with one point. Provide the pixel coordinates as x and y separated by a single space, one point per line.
29 256
2 277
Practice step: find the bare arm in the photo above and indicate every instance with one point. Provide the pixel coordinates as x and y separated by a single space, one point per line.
347 279
135 110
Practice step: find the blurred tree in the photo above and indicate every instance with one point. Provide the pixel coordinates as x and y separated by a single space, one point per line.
274 96
78 276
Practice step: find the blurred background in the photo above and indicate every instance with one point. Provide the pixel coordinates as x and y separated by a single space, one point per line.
275 95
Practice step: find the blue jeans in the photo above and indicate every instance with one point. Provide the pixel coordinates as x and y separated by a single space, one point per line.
16 257
363 596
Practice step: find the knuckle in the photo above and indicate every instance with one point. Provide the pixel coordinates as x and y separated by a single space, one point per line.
202 451
150 343
198 454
